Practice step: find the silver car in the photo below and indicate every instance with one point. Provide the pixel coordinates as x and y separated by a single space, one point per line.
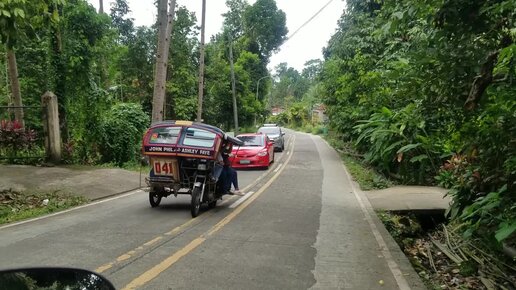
276 135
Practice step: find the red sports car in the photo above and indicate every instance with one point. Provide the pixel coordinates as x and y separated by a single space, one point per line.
257 151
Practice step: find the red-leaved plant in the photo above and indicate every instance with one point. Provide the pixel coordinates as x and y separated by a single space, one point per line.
14 137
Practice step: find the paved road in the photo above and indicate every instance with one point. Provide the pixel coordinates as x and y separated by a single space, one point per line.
302 225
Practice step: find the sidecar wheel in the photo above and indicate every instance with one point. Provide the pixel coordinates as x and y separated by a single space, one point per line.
196 201
154 199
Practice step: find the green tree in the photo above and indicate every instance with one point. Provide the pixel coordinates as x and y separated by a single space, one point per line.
312 70
15 22
134 68
181 98
233 19
289 86
265 27
84 32
252 47
119 11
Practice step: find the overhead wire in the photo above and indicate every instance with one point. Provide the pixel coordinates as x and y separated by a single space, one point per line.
308 21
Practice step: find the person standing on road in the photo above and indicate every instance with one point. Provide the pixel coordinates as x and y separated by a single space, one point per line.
230 174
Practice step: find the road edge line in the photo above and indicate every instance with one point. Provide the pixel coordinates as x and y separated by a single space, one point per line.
94 202
366 208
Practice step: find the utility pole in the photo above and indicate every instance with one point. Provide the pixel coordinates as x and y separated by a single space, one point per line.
170 26
201 64
235 109
101 6
165 23
257 86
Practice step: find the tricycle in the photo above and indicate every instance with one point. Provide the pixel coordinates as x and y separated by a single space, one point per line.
183 156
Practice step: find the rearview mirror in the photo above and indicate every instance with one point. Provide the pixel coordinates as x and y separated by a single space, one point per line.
53 278
144 161
282 133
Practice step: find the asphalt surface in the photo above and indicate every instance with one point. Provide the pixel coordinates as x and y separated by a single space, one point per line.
303 224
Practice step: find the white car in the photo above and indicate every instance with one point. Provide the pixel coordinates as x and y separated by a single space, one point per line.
275 134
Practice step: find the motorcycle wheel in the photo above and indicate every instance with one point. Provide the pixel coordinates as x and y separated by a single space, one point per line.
195 206
154 199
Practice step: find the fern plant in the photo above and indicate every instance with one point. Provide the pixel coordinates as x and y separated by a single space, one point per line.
396 142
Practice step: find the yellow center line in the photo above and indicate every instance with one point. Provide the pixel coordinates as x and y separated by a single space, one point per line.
123 258
131 253
188 223
156 270
171 260
104 267
156 239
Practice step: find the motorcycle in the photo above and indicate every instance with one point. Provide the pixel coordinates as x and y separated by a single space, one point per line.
183 157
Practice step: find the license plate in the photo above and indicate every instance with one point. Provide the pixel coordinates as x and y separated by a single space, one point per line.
163 167
245 161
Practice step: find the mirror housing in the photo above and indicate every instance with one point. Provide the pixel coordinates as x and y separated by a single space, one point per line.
61 278
144 161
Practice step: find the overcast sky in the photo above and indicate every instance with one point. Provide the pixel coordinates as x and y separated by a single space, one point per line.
305 45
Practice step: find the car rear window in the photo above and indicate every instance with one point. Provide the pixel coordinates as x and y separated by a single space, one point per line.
269 130
164 135
251 140
199 138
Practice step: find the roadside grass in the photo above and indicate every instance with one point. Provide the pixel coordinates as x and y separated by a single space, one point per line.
130 166
16 206
316 129
136 167
364 175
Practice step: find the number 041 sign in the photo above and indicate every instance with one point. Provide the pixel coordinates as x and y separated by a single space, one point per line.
163 167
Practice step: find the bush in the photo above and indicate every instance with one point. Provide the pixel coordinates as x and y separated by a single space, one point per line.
308 128
121 132
280 119
318 130
16 141
247 129
396 141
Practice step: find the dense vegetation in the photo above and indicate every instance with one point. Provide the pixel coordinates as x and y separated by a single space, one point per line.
425 91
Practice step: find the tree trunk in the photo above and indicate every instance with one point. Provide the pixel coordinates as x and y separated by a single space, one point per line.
15 86
201 64
101 6
165 23
481 81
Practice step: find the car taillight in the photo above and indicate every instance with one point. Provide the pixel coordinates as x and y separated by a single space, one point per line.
262 153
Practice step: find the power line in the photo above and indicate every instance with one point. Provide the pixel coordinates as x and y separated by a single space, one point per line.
308 21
